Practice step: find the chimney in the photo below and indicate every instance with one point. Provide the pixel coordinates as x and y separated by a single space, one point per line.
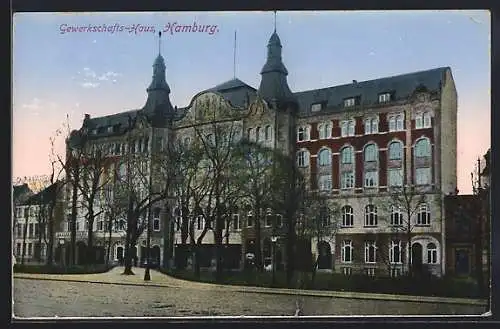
87 116
354 82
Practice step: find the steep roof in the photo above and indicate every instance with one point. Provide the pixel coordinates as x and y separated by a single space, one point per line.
400 86
49 193
235 92
98 127
19 191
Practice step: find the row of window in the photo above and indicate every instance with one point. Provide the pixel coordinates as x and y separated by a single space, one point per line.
235 223
136 146
371 125
119 225
394 271
32 231
259 134
29 249
397 216
395 252
22 212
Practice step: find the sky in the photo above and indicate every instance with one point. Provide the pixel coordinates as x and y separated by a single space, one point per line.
59 75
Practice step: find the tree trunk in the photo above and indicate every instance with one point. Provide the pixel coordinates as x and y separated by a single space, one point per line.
258 250
74 200
110 231
196 265
90 237
25 232
290 257
128 254
314 270
51 238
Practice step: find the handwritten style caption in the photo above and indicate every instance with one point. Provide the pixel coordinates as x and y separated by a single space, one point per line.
135 29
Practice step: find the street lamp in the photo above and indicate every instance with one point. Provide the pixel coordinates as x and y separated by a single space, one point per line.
274 239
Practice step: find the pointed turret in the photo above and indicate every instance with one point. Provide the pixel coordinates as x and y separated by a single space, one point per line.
158 102
274 85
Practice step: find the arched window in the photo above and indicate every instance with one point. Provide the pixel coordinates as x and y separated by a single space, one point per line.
395 252
423 148
370 153
324 157
268 133
396 216
346 251
371 215
325 130
431 253
258 134
423 215
370 252
399 123
303 158
347 216
347 155
250 133
392 123
396 151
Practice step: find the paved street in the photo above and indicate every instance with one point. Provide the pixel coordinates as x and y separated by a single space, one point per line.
47 298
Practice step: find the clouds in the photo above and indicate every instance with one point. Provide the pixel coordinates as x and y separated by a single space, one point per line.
89 78
37 104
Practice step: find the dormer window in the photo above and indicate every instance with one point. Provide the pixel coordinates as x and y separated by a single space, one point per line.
384 97
349 102
316 107
94 131
110 129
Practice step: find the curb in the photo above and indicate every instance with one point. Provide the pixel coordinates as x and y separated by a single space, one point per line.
271 291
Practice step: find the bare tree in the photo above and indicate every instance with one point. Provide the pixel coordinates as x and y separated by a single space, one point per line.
114 209
407 208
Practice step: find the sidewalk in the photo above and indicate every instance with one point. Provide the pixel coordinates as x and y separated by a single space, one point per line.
159 279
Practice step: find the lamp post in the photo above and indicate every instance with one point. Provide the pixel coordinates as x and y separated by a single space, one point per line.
274 239
63 253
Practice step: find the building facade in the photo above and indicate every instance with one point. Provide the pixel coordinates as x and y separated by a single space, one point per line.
356 143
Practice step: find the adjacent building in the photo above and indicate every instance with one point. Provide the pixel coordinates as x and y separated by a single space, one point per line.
357 143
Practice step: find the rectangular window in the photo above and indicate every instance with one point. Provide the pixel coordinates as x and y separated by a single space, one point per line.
269 220
178 221
279 220
347 180
18 249
423 176
370 272
349 102
302 159
347 128
30 230
78 226
347 271
100 225
325 182
37 231
316 107
156 224
419 121
374 126
343 128
383 98
236 222
395 252
368 126
346 251
351 126
30 249
19 228
249 220
371 178
427 120
395 177
325 130
395 272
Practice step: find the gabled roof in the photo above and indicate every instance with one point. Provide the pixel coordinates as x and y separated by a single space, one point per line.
19 191
400 86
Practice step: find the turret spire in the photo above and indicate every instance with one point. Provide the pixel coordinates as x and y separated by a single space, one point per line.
158 101
274 85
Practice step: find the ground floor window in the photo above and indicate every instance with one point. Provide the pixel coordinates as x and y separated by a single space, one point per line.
370 271
18 249
347 270
395 272
30 249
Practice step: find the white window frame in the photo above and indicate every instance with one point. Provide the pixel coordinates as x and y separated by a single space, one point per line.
424 215
392 253
400 122
392 123
251 221
156 220
427 120
316 107
279 220
392 151
305 131
371 216
324 160
395 177
395 272
384 97
423 176
349 102
347 271
346 244
268 219
371 178
347 157
325 183
423 148
368 246
432 254
370 156
325 130
419 121
236 222
397 216
370 271
347 180
347 216
268 133
303 158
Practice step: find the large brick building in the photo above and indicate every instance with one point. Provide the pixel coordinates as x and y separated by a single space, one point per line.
355 142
